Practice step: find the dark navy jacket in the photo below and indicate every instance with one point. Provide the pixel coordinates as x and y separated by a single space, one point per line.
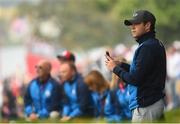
79 102
117 105
147 72
41 98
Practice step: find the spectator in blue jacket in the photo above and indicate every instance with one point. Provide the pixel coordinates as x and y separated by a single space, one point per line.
147 73
65 56
99 87
117 102
42 93
77 93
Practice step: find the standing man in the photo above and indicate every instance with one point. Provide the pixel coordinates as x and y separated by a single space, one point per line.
42 95
146 74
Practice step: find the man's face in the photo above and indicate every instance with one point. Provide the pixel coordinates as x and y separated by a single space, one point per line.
65 72
138 30
42 69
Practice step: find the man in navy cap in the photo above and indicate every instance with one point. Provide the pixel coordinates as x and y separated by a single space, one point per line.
66 56
147 73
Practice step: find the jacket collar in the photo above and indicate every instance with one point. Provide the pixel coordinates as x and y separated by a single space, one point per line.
45 81
74 78
145 36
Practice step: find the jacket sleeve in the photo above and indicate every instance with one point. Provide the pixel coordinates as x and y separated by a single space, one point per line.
83 95
125 66
72 113
142 66
43 113
113 118
65 110
109 109
75 113
64 103
56 96
28 102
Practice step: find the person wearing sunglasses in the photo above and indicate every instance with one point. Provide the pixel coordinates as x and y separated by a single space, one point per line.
42 94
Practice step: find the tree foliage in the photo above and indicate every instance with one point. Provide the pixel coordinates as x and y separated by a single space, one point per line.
92 23
166 12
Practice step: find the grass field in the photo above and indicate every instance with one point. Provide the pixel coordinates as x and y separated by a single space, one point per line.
172 116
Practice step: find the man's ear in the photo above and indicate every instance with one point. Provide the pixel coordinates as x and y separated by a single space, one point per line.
148 26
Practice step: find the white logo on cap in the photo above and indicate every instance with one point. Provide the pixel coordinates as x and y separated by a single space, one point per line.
135 14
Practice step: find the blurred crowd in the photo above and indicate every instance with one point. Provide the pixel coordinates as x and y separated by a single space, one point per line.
83 86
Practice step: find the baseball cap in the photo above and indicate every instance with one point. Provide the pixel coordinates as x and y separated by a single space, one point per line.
67 56
141 16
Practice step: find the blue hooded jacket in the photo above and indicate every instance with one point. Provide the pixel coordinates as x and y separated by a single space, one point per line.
79 102
117 105
41 98
99 102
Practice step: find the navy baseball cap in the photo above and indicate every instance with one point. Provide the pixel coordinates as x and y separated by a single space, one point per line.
141 16
67 56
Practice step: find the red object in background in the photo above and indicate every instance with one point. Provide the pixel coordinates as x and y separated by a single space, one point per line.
33 59
121 86
15 86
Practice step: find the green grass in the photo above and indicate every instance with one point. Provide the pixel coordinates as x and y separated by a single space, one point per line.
172 116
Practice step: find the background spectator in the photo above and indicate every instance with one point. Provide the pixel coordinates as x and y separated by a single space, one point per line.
117 101
99 87
42 94
77 93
